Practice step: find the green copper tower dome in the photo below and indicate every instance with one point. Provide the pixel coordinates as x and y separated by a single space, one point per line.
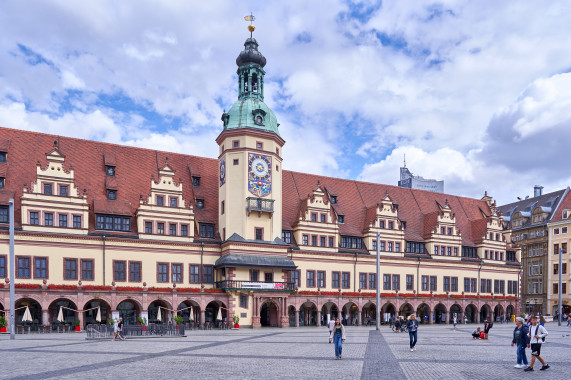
250 111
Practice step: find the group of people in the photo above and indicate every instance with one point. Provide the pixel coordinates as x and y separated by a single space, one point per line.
479 334
118 329
531 336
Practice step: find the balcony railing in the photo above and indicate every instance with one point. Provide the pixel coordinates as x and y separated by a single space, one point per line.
256 285
260 204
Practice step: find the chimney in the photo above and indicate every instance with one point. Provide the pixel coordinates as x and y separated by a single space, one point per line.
537 190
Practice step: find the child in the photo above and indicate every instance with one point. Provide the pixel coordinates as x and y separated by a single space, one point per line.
476 334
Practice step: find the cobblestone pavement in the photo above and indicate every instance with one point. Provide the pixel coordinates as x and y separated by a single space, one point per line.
282 353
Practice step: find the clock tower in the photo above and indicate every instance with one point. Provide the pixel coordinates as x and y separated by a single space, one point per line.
250 157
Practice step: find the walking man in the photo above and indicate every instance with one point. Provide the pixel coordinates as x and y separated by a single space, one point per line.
412 326
120 329
536 335
455 320
521 340
330 325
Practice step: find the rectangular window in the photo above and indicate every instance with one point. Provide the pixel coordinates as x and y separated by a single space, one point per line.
381 224
162 272
331 242
313 217
176 273
304 239
374 245
206 230
294 276
161 228
455 251
236 144
3 267
496 286
390 246
373 281
320 279
268 277
391 225
4 214
62 220
259 145
48 188
323 218
40 267
555 249
160 200
555 288
110 170
386 282
3 156
70 266
409 282
362 280
244 301
64 190
111 195
563 269
454 284
287 237
345 280
466 285
148 227
184 230
34 218
341 219
335 280
173 202
208 274
322 241
446 284
502 286
314 240
424 280
436 249
113 223
564 247
449 251
310 283
449 231
254 275
442 230
23 267
119 270
135 271
396 281
172 229
397 247
77 221
195 181
473 284
433 284
259 233
2 182
222 207
235 162
442 250
194 273
87 270
48 219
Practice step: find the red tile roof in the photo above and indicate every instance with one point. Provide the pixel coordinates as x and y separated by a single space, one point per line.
564 205
135 167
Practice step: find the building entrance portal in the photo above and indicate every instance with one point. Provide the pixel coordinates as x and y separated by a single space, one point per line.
269 315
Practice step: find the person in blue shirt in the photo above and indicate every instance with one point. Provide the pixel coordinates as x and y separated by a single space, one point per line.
412 326
521 340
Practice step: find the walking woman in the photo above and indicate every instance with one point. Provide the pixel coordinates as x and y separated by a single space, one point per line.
337 336
521 340
412 326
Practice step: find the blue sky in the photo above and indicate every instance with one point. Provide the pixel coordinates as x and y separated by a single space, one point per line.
474 93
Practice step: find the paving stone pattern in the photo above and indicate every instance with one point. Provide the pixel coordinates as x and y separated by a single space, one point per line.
302 353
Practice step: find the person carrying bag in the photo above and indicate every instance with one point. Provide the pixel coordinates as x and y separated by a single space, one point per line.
337 336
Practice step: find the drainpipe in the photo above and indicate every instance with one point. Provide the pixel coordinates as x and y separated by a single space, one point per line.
355 274
418 277
201 266
479 281
103 237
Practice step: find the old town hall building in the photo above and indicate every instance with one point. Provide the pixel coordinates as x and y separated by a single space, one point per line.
130 229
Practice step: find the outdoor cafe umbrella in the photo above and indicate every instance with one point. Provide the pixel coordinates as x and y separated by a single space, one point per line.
60 315
27 315
191 317
219 316
159 314
98 317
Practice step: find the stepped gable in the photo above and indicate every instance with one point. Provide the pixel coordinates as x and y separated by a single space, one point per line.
134 169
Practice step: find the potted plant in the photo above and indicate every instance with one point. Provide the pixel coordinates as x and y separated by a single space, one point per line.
110 321
3 323
178 320
236 320
77 325
142 322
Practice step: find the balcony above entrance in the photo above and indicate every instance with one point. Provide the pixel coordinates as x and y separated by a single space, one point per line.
260 205
256 285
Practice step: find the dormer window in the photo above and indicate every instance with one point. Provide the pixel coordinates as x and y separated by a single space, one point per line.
259 115
565 214
341 219
200 203
2 182
48 188
174 202
110 170
333 199
195 181
160 200
3 156
64 190
259 120
112 195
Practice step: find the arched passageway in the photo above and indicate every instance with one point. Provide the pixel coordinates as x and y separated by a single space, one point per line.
440 313
185 311
456 311
387 312
308 314
470 314
69 316
406 310
498 313
369 314
35 311
90 317
129 310
269 314
350 314
423 313
211 312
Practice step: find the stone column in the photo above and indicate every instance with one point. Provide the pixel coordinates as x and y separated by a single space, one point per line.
318 322
430 317
296 318
447 319
202 318
45 317
80 317
476 317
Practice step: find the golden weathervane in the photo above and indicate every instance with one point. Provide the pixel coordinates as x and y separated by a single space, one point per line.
251 27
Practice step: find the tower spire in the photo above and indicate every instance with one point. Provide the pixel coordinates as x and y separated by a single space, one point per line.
251 27
404 163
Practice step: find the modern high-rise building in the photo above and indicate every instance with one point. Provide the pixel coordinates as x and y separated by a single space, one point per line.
407 179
